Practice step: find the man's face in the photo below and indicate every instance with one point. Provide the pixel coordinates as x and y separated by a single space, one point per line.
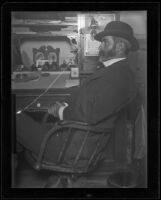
107 48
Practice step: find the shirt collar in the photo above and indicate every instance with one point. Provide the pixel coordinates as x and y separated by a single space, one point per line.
112 61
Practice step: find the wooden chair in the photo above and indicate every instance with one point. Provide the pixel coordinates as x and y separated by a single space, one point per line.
135 173
70 172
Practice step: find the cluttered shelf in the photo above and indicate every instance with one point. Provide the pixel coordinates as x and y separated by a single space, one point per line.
43 80
39 81
65 21
46 27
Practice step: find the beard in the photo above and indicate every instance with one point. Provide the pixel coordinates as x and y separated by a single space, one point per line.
106 55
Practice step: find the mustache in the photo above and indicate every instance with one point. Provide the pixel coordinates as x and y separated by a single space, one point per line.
110 53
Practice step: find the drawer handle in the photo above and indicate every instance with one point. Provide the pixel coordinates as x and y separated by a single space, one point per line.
38 105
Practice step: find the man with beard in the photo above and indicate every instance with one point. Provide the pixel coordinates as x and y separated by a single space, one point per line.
98 100
108 89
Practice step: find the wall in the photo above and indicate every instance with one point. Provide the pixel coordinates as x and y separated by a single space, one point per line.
137 20
138 60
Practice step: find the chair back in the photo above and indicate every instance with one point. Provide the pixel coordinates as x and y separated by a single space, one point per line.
134 107
136 133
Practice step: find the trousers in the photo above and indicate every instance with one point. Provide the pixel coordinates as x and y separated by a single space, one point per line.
30 133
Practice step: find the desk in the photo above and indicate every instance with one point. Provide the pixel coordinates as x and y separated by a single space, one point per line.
24 93
56 79
27 92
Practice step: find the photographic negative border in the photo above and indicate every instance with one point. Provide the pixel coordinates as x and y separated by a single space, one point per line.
153 13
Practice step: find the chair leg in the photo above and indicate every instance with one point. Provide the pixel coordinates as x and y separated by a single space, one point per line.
58 182
52 182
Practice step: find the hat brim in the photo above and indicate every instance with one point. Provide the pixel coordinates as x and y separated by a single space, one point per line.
134 43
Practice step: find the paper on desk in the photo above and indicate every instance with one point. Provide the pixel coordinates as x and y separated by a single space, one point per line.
71 82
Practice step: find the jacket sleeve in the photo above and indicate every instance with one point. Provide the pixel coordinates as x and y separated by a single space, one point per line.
99 99
79 105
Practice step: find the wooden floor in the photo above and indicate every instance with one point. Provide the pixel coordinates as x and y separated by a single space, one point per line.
26 177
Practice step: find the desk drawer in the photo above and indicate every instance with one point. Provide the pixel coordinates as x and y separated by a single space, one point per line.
39 104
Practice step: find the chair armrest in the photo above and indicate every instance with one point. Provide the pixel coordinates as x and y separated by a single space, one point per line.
51 132
83 126
67 122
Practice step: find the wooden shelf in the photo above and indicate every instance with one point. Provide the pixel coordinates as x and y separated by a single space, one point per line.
35 34
48 28
46 24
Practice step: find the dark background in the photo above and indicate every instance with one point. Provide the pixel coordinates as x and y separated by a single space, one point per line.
153 10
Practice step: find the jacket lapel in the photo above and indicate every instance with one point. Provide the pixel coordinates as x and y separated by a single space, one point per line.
103 70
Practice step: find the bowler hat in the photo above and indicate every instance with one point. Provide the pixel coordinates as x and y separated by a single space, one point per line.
119 29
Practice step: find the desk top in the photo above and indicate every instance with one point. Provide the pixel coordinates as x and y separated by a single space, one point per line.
54 80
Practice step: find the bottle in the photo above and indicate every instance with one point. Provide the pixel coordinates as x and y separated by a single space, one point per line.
74 71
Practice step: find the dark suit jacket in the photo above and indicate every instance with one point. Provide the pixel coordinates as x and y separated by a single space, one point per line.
102 95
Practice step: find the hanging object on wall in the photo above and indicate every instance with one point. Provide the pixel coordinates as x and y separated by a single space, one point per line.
94 25
74 48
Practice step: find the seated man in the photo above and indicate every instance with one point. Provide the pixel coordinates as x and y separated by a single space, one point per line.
97 100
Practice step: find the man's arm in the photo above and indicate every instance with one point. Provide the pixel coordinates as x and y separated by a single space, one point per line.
100 98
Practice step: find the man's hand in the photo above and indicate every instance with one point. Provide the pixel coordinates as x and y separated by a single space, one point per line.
54 109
